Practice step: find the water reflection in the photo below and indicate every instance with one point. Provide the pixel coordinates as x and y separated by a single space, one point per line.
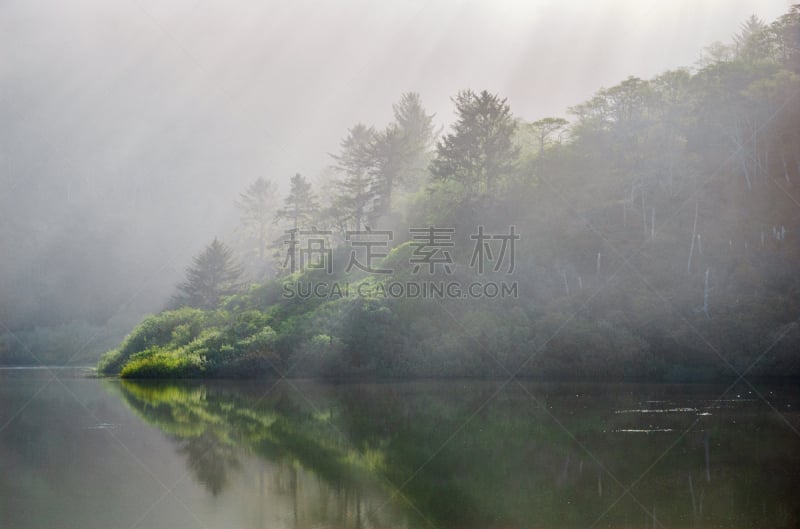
300 454
481 455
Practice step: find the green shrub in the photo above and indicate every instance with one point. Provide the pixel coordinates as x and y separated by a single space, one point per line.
246 365
170 329
110 362
158 363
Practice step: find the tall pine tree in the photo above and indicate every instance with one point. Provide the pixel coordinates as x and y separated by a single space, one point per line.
214 273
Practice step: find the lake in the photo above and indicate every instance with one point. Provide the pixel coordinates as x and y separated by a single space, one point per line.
82 452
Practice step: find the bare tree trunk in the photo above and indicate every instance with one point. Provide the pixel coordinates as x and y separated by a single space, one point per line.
743 162
691 246
742 153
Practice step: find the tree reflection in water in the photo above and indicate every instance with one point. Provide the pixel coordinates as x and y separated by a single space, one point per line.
431 453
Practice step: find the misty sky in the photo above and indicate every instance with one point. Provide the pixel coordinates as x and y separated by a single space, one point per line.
136 123
272 86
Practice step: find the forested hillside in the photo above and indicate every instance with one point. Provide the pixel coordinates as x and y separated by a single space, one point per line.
651 232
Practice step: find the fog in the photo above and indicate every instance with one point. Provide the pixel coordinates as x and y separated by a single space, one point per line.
128 129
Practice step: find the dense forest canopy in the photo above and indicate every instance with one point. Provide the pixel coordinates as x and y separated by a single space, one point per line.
131 130
650 233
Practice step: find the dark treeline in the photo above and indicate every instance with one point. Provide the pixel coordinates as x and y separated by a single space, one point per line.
657 238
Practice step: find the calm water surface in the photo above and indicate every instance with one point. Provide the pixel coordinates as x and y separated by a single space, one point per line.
79 452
